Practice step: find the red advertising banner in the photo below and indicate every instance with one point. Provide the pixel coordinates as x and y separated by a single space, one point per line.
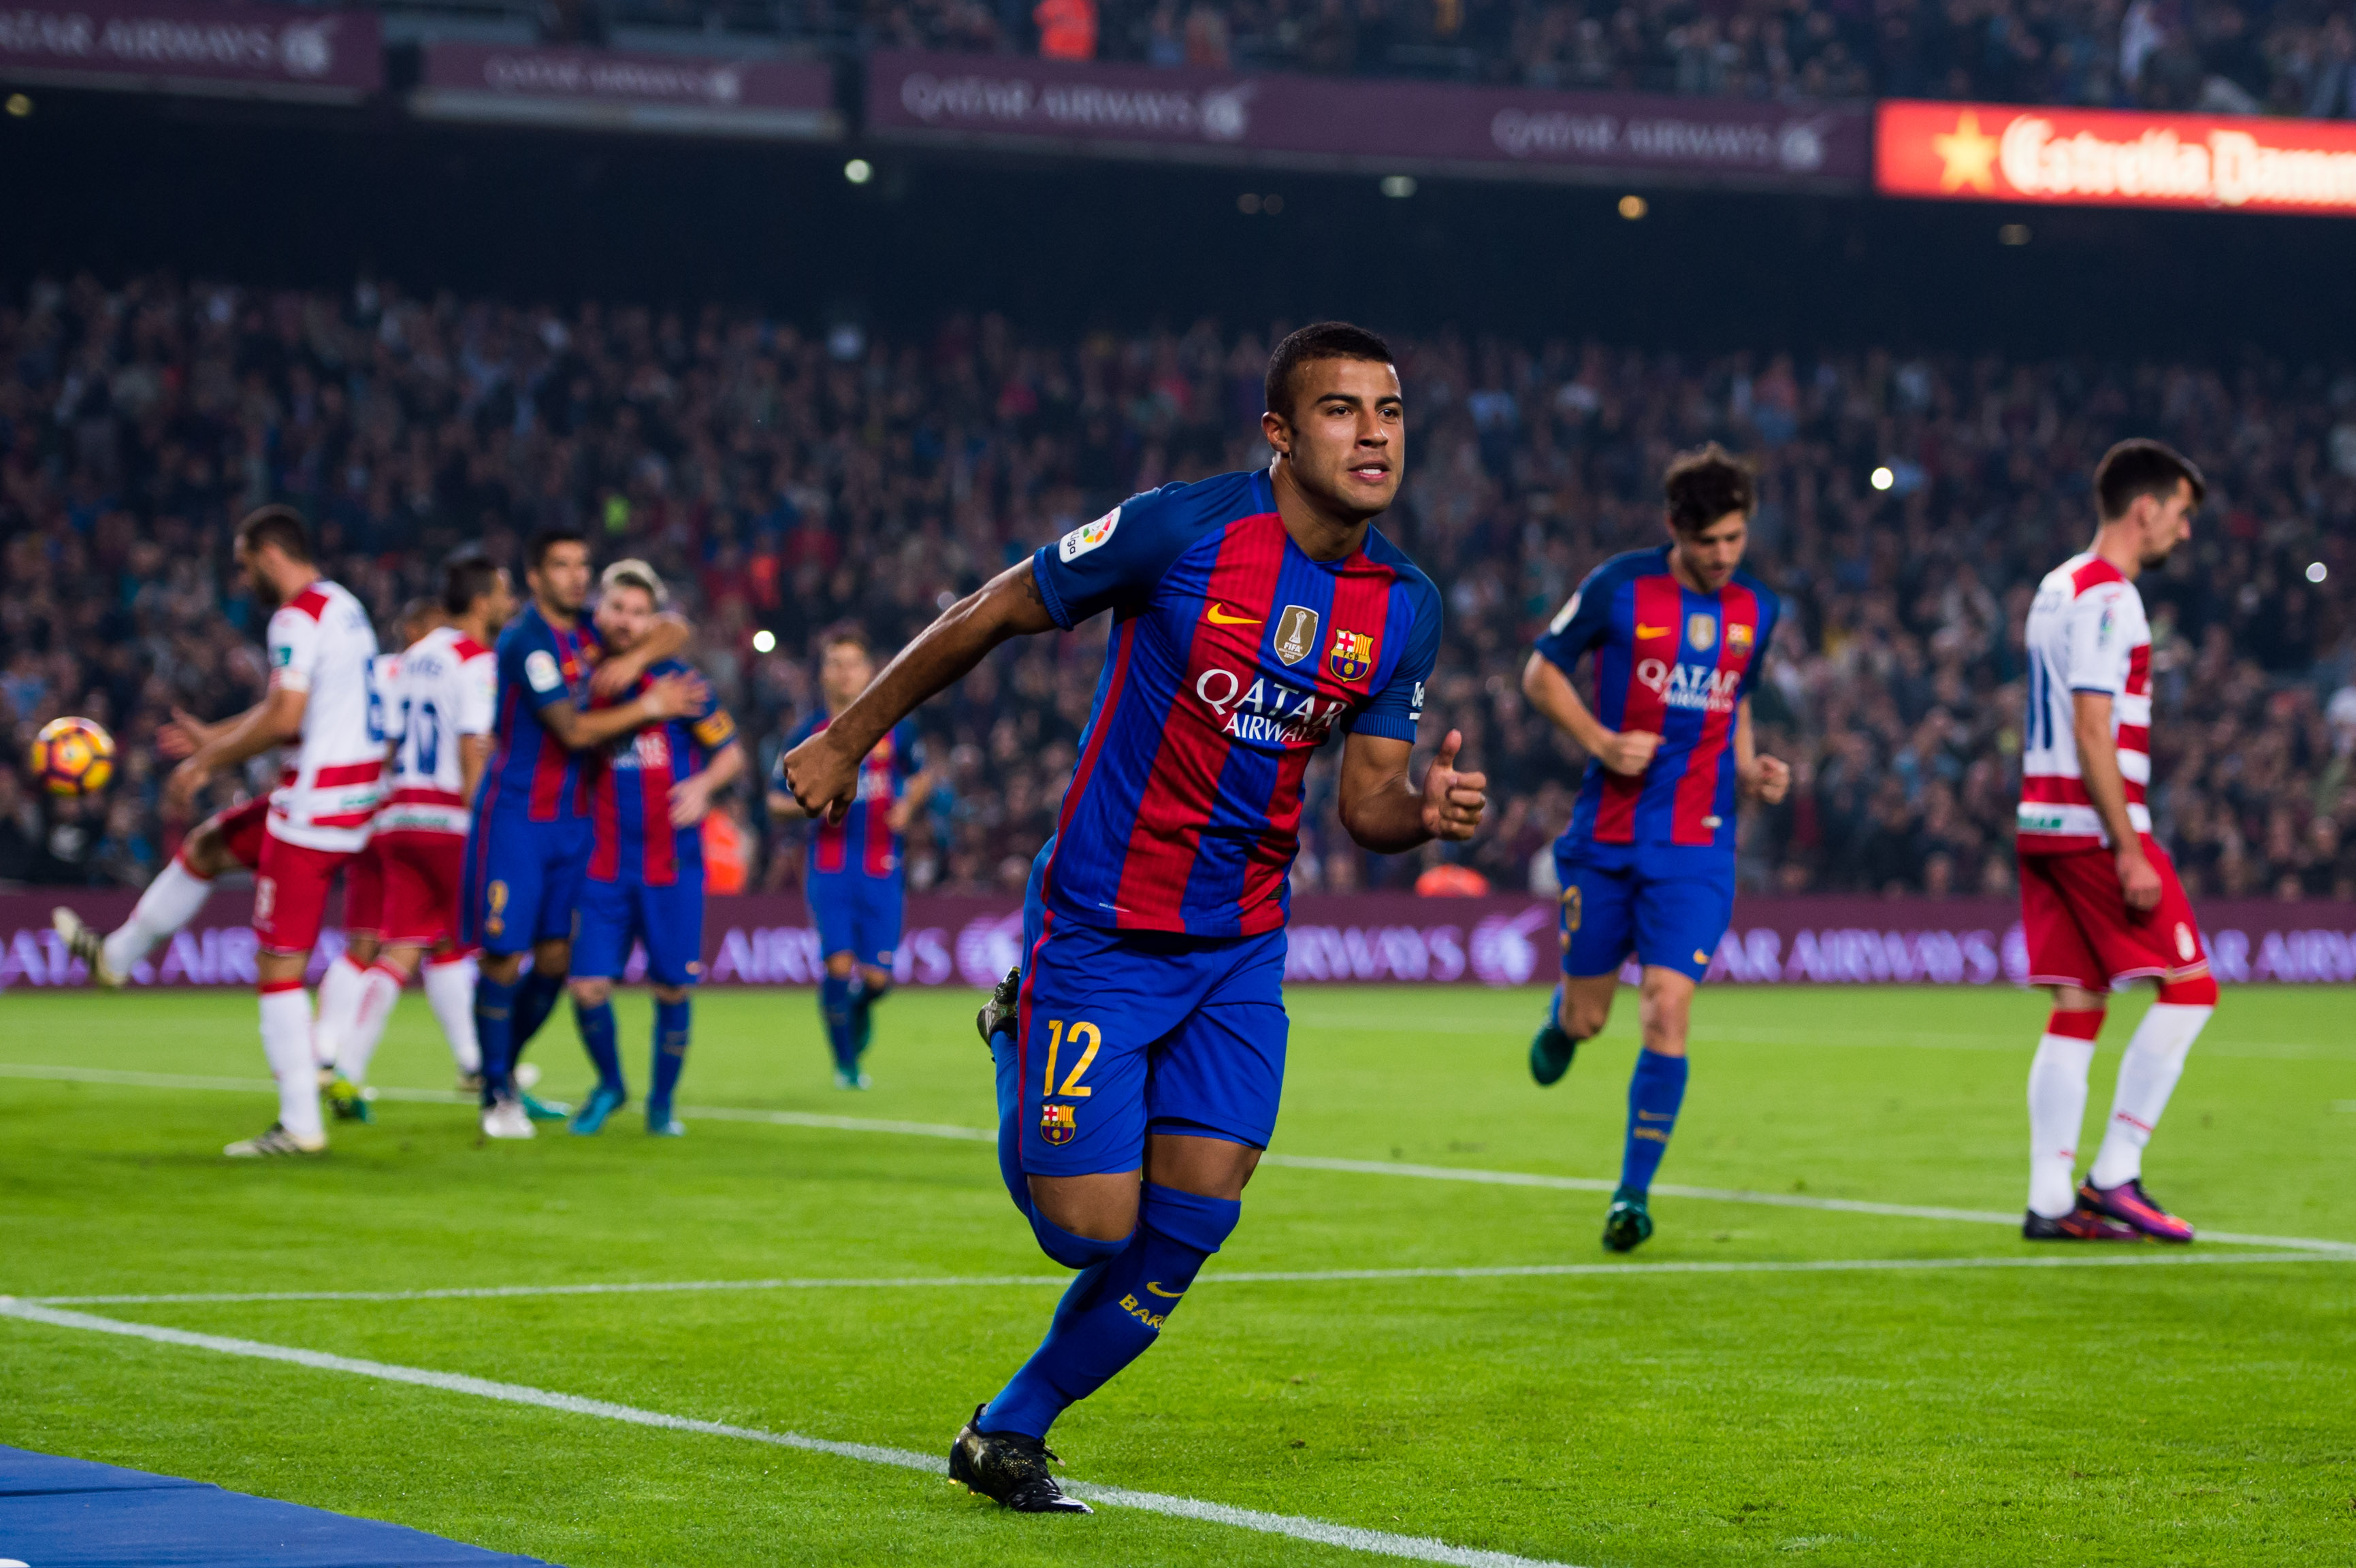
1375 125
610 89
766 940
1990 151
188 46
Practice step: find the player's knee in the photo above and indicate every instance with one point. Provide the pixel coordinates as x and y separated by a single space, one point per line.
1074 1250
592 993
669 993
205 853
2199 991
877 981
362 950
501 969
2075 1023
1582 1017
838 966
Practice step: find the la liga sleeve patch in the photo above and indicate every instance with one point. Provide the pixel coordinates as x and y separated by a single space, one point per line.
1087 537
540 669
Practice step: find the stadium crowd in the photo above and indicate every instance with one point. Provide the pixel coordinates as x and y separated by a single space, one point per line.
786 481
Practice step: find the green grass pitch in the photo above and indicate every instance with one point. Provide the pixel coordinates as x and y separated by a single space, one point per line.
2165 1410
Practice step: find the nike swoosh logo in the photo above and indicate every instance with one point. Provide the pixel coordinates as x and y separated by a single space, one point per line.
1644 631
1153 1287
1217 615
1649 1116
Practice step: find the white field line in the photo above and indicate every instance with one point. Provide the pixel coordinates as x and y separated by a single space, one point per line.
2122 1258
1292 1161
1419 1549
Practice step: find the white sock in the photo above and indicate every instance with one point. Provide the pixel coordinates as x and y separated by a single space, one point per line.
450 992
286 1040
2148 1075
379 989
339 1007
171 900
2057 1109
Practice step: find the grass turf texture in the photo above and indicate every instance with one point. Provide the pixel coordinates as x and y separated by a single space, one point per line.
2123 1415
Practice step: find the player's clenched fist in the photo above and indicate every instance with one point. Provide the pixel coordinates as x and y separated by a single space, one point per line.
1767 779
823 779
1452 801
1629 752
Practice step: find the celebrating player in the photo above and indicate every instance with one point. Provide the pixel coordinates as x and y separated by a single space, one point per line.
528 835
1254 615
320 643
853 880
438 714
1679 632
648 793
2099 899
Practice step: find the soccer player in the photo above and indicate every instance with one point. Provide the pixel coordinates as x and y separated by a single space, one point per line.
528 835
1679 632
438 712
853 880
1255 616
648 792
320 643
2100 903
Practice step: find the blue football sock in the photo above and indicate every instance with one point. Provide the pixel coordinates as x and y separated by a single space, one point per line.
834 1006
863 998
493 1022
597 1038
671 1048
1115 1310
1654 1092
535 999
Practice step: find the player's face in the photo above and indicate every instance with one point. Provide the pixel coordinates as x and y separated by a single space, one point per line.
1347 440
257 570
561 578
624 615
844 673
1711 554
499 603
2167 524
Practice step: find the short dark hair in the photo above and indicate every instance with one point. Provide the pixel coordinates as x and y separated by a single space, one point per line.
2142 467
419 609
1323 341
535 554
855 636
276 524
466 576
1704 485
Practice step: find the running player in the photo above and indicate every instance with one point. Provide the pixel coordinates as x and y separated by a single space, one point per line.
2100 903
1679 632
438 712
320 643
648 793
1254 617
852 881
527 837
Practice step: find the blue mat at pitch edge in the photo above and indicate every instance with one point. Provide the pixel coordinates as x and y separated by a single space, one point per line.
73 1513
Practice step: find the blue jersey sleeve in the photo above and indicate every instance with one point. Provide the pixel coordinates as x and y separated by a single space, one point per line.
1582 622
1393 712
1116 560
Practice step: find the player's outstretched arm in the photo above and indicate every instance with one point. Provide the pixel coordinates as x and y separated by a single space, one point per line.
822 772
667 638
1387 813
1628 752
690 799
2098 767
670 696
275 720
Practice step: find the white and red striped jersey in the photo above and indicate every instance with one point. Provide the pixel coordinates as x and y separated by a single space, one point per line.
321 644
445 690
2086 633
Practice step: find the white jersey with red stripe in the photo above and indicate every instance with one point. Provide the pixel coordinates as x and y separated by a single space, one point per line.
2086 633
321 644
445 690
384 713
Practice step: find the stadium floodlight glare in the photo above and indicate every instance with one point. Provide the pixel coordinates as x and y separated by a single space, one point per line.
2012 234
1883 477
19 106
1633 207
765 641
2317 571
859 171
1398 188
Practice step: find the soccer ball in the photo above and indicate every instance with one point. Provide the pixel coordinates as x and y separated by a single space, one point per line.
72 756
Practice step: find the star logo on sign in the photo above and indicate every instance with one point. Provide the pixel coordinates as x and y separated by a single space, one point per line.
1969 154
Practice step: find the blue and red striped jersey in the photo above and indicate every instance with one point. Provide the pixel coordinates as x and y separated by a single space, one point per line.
863 840
1233 658
1677 664
530 773
628 782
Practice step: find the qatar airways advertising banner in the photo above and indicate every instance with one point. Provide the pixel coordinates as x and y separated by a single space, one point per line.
614 90
1378 126
1383 938
186 45
2089 157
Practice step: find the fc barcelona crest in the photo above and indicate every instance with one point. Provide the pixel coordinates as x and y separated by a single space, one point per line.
1296 633
1057 1123
1738 638
1701 631
1353 654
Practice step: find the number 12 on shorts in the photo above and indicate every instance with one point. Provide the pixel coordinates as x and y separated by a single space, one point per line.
1057 1038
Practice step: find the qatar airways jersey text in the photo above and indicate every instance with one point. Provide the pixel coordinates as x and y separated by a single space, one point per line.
321 645
443 691
2086 633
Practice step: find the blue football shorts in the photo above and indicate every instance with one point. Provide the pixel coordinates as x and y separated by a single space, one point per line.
856 914
523 879
669 920
1670 921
